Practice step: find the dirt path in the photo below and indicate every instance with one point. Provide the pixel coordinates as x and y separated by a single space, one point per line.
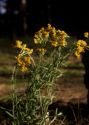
71 90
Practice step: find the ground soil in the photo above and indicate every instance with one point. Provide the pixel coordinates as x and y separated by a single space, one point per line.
71 89
67 89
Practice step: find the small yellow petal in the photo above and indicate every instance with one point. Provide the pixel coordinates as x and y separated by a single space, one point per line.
18 44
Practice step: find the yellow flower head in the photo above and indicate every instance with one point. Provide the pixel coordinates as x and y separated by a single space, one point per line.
18 58
63 43
54 43
24 62
28 51
45 34
81 43
77 54
63 34
80 47
27 60
23 47
42 50
86 34
24 68
42 29
49 27
24 58
18 44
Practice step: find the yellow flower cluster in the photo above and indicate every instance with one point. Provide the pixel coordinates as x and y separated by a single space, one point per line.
81 45
24 58
59 38
41 35
23 62
86 34
55 37
42 50
23 47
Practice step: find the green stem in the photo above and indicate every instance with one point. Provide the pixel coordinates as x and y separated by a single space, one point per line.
13 96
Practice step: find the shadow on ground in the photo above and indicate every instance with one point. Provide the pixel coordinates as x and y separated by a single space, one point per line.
75 114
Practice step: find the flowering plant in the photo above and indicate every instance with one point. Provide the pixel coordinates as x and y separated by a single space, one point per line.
42 64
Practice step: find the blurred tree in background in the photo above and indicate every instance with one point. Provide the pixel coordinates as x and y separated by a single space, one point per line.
20 17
